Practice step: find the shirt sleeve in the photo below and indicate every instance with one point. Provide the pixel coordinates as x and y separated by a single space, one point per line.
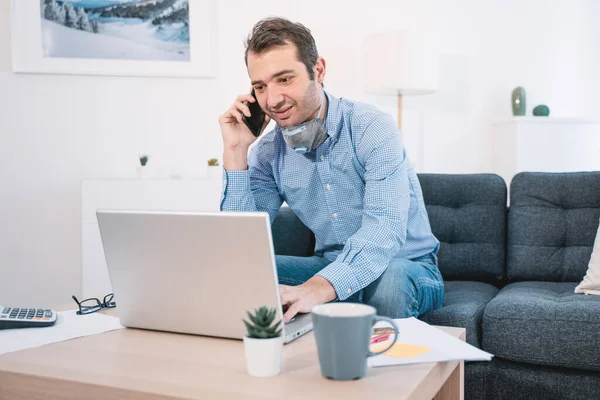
383 230
253 189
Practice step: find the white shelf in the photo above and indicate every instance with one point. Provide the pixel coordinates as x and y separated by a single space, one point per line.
545 120
542 144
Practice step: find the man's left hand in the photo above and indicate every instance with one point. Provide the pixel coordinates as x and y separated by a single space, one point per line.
302 298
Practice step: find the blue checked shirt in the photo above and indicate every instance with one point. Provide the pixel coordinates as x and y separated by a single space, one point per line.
356 192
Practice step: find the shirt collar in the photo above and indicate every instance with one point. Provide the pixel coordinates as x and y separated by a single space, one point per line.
332 118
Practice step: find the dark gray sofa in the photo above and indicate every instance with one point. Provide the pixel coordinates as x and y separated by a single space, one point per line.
510 274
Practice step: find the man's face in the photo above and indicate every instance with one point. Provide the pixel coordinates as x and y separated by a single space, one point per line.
282 85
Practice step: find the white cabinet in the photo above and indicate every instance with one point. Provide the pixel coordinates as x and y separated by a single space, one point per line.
141 194
544 144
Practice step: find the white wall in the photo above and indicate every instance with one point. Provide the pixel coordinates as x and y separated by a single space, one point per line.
57 130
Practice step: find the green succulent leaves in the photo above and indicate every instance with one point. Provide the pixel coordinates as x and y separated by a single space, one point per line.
261 324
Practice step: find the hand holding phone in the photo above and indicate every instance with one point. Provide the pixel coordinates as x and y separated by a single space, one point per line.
240 125
257 117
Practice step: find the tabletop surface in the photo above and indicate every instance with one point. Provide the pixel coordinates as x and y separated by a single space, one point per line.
134 363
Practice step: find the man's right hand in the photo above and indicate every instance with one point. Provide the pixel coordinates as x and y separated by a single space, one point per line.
236 135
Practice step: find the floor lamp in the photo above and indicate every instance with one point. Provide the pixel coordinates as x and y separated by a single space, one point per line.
400 63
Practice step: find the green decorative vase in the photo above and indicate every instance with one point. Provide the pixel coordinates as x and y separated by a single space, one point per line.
541 111
518 101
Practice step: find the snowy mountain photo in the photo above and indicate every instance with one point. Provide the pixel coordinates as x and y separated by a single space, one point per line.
116 29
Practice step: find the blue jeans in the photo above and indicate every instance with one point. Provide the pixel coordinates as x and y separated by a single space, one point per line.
407 288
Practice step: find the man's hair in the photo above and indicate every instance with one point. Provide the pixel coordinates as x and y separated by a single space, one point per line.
275 31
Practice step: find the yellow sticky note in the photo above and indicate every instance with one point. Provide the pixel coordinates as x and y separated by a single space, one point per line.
401 350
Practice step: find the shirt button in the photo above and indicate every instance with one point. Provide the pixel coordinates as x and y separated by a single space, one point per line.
322 158
344 243
335 215
328 186
224 181
348 290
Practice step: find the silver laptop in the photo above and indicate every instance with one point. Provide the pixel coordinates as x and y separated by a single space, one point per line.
192 272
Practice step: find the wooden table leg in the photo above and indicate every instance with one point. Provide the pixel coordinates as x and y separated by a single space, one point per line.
454 388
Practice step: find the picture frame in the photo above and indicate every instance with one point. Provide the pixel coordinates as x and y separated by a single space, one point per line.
28 51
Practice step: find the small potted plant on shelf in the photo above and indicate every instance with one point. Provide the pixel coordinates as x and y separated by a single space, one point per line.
212 169
263 344
142 170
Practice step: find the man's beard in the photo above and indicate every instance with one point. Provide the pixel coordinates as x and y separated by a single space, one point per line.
308 107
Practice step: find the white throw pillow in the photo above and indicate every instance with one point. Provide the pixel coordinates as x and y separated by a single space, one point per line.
591 281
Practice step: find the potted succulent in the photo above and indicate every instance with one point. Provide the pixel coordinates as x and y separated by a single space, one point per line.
263 344
142 169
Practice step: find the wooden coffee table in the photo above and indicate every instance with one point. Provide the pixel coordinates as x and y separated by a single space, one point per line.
139 364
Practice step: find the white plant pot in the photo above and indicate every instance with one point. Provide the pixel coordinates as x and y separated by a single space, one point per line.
214 172
143 172
263 356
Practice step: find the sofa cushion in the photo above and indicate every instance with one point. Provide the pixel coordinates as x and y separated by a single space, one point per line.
290 236
552 223
463 307
507 380
467 214
544 323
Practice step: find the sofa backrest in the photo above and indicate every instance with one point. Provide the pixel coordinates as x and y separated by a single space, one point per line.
290 236
552 223
467 213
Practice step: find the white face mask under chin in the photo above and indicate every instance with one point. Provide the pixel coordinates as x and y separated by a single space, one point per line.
307 136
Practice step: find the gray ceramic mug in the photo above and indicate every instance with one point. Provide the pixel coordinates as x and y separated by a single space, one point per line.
343 334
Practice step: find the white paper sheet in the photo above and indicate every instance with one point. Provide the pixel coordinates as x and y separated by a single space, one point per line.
69 325
444 347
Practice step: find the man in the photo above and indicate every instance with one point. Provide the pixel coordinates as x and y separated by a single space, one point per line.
342 168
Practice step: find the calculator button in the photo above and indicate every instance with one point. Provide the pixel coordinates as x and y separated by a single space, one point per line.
6 310
48 314
12 316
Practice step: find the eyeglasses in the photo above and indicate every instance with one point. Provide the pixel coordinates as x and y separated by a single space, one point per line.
93 304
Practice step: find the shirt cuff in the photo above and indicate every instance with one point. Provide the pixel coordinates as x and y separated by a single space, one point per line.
341 276
236 182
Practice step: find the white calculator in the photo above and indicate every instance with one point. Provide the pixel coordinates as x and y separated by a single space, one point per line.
15 317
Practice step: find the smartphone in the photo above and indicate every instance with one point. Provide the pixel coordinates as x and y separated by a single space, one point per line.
257 117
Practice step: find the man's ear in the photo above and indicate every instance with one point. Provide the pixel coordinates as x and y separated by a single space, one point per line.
319 69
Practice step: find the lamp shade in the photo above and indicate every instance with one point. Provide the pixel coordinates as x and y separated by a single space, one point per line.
399 62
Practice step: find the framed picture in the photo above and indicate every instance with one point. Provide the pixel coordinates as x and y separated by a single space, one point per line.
115 37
